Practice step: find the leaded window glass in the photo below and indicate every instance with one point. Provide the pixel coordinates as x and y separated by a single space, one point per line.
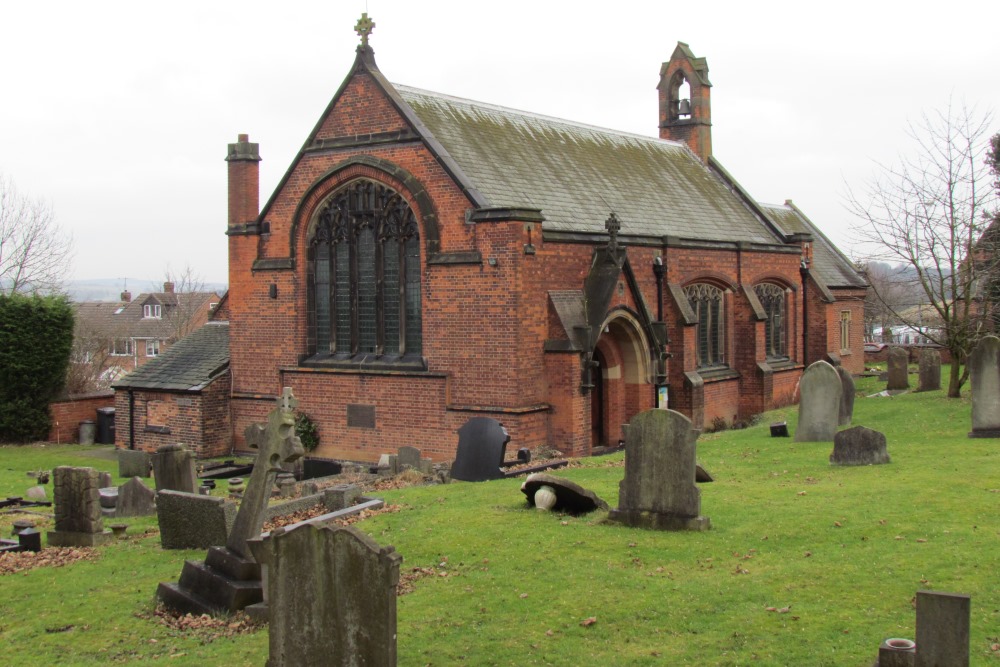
772 298
708 304
364 253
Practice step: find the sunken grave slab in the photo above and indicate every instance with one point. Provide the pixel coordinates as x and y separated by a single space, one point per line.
570 496
859 446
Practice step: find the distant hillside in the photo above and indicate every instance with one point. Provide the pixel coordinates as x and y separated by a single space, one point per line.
110 289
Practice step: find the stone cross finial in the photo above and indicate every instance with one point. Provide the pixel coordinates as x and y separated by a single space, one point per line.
364 28
287 401
613 225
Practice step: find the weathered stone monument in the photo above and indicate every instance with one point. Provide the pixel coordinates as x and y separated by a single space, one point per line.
847 395
482 445
331 594
133 463
193 521
173 469
929 378
942 629
984 378
898 361
408 457
229 579
659 489
820 394
79 521
859 446
135 499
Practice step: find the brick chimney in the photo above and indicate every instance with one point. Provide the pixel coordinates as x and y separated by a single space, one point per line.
168 287
244 183
685 107
126 296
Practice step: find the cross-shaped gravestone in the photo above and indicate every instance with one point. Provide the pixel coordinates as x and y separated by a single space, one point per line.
613 225
364 28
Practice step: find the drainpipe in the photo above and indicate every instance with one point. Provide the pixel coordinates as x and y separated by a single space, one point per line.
659 271
804 271
131 419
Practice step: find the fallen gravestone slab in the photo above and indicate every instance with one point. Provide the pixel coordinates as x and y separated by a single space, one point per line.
570 497
701 475
859 446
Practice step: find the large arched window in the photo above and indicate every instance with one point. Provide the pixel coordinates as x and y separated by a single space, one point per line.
708 304
364 259
772 297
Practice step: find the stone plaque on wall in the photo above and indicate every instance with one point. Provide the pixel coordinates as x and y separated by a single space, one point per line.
361 416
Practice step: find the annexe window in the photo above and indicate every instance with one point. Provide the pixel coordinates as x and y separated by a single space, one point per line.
772 298
708 304
364 277
845 330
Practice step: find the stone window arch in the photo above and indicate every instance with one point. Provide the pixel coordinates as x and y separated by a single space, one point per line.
775 302
709 305
364 275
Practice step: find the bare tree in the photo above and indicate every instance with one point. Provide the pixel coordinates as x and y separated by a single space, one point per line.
188 314
890 293
34 251
928 213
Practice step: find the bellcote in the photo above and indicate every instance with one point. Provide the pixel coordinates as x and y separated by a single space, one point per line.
685 104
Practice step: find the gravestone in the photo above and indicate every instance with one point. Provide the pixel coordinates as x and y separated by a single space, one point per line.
898 361
570 497
193 521
942 629
173 469
229 579
984 378
820 393
133 463
847 395
859 446
341 496
482 444
408 457
104 479
930 371
135 499
109 499
78 520
35 493
331 593
659 490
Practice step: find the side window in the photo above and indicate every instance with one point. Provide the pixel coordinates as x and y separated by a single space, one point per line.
708 303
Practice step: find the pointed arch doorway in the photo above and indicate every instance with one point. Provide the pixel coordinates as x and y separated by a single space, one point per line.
623 379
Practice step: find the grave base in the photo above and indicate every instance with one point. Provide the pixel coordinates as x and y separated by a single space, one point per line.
985 433
659 521
66 538
224 583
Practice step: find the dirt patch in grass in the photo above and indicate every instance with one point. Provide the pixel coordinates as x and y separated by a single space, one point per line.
205 627
320 510
22 561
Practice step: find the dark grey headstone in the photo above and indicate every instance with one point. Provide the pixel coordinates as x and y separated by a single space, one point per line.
984 378
930 371
135 499
820 392
408 457
78 521
193 521
846 397
859 446
331 593
133 463
173 469
659 490
570 496
482 445
942 629
898 361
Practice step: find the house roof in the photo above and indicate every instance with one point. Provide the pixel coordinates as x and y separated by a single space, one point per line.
121 319
577 174
831 266
189 365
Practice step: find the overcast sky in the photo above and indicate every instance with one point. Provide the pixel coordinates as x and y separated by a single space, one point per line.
119 113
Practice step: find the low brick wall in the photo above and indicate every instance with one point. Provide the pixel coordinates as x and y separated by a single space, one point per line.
67 414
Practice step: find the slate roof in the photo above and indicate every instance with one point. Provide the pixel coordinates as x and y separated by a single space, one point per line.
831 266
577 174
121 319
189 365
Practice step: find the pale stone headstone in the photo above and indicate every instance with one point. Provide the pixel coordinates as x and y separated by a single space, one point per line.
942 629
482 444
898 361
173 469
193 521
36 493
568 496
408 457
930 371
984 378
331 593
846 397
859 446
820 393
659 489
133 463
78 520
135 499
104 479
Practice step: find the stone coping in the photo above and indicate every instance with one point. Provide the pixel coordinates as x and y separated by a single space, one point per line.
368 504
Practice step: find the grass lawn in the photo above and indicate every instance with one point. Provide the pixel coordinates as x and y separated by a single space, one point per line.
806 564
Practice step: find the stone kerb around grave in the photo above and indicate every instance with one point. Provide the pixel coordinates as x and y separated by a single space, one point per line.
984 375
659 489
820 393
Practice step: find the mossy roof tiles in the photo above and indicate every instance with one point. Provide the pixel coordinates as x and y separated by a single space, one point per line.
188 365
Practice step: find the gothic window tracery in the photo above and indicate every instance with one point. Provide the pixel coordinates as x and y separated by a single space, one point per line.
364 258
773 299
708 303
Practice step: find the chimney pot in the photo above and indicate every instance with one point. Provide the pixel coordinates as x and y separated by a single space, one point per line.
243 138
168 287
126 296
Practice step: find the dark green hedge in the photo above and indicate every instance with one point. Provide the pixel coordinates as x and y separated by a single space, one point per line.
36 338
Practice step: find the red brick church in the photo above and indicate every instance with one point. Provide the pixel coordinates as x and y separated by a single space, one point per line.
427 259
